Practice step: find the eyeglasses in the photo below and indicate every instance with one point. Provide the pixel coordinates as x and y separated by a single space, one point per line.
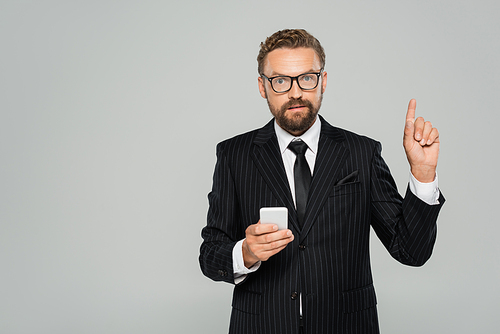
283 83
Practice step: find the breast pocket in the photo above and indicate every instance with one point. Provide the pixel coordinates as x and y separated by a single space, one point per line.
346 189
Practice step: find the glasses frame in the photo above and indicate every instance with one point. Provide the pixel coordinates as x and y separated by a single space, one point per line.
291 80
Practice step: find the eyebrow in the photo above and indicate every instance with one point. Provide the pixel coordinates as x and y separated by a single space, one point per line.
286 75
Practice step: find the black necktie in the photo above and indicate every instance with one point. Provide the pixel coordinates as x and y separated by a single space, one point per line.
302 177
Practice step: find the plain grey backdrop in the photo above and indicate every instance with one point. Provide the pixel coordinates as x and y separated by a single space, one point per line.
110 113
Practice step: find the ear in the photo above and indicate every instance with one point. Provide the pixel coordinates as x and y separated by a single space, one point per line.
262 88
323 83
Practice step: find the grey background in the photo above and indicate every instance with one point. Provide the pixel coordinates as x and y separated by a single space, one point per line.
110 113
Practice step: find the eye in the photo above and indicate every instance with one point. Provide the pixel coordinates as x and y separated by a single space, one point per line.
279 81
307 78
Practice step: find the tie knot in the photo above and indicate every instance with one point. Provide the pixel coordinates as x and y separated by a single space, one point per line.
298 147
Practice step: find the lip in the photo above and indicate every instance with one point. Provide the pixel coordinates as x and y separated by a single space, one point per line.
299 110
296 108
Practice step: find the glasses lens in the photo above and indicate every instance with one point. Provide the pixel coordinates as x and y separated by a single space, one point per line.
308 81
281 84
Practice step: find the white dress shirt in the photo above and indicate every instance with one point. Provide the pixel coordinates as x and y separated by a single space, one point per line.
427 192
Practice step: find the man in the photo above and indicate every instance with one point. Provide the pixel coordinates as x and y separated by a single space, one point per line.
314 277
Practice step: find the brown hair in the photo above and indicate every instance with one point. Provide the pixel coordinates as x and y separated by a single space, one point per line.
289 38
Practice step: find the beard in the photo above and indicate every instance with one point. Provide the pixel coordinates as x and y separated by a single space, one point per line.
295 123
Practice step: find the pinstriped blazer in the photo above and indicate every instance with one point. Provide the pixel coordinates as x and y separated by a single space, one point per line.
328 263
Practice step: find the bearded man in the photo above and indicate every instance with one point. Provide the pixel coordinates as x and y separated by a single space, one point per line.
315 276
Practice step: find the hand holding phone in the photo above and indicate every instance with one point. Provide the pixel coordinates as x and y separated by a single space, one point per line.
262 240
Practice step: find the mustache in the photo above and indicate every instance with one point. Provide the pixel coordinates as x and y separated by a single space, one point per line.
297 102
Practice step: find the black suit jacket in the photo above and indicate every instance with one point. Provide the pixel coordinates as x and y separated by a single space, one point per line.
328 263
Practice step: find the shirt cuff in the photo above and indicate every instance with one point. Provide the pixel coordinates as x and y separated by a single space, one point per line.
426 192
239 269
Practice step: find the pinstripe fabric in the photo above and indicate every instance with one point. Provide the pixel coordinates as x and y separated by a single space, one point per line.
328 262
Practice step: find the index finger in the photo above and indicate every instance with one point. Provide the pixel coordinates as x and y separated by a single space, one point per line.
410 114
260 228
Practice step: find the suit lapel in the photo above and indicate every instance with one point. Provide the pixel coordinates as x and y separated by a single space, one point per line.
331 157
267 157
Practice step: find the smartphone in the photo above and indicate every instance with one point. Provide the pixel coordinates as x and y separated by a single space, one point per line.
275 215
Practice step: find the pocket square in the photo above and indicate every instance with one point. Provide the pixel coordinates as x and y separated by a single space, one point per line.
349 178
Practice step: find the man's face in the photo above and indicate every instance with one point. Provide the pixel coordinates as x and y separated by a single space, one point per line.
295 111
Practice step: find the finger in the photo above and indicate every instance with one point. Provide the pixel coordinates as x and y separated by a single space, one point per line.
259 229
278 243
410 114
275 236
418 128
433 137
409 131
264 251
265 228
426 133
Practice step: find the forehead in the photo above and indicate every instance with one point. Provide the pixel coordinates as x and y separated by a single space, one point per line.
291 62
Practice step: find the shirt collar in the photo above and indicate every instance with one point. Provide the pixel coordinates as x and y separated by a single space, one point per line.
310 137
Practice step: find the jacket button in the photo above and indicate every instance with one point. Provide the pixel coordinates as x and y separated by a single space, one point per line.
294 295
223 273
302 247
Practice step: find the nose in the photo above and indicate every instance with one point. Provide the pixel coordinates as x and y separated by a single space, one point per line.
295 92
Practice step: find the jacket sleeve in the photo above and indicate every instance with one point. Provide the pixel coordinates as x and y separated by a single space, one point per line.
406 227
222 230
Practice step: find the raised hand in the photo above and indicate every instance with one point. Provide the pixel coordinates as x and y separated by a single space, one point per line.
421 144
